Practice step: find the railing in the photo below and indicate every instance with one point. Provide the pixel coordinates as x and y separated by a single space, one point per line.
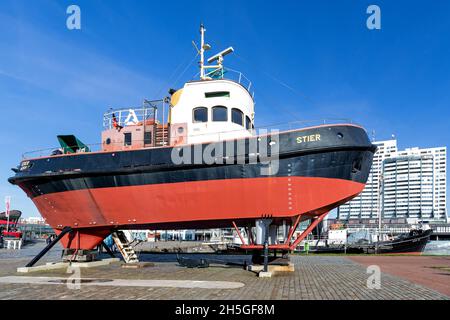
306 123
231 74
240 78
383 230
48 151
216 136
133 115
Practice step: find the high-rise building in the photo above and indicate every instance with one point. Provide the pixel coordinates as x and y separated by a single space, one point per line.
367 203
402 184
415 184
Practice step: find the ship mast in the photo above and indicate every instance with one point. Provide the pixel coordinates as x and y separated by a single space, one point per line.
218 57
202 51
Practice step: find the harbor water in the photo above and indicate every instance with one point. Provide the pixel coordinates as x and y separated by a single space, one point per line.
439 248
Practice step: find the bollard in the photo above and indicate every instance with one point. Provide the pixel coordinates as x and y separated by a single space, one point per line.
307 247
266 255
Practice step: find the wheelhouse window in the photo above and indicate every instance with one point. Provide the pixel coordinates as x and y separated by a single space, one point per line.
127 139
200 114
237 116
248 123
217 94
219 113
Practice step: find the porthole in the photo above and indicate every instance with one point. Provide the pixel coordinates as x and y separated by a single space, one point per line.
340 135
108 141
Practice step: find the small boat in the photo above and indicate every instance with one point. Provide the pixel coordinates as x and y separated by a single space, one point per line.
9 225
413 242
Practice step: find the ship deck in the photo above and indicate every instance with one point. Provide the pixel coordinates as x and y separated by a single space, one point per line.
315 278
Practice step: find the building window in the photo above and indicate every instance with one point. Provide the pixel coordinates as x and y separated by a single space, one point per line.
200 115
237 116
219 113
248 123
148 137
127 139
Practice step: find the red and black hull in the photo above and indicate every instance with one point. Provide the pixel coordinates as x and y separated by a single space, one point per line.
95 193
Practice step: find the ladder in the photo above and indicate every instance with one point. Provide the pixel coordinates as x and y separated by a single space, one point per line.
122 243
161 135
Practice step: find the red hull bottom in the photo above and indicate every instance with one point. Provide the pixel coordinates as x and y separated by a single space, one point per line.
94 213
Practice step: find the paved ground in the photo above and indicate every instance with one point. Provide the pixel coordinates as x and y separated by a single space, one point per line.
432 272
315 277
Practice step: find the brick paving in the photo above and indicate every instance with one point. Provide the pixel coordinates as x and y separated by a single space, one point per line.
315 277
430 271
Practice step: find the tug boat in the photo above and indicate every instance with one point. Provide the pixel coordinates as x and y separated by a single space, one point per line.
371 242
206 166
412 242
9 225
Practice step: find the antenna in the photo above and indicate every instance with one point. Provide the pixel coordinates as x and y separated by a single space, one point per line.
218 57
195 46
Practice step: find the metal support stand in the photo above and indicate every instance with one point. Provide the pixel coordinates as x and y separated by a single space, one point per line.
266 248
108 250
266 256
288 245
49 246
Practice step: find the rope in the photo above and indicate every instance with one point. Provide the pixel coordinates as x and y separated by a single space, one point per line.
185 69
167 83
287 86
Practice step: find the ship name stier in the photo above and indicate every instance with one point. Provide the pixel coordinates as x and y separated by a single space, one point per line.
308 138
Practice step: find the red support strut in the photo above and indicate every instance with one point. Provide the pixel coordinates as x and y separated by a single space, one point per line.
291 230
239 233
303 235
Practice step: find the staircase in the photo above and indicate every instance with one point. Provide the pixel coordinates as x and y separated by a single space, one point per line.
128 253
161 135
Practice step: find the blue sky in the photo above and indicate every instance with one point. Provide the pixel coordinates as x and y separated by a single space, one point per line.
56 81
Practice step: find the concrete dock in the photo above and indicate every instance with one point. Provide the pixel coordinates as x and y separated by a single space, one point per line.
315 277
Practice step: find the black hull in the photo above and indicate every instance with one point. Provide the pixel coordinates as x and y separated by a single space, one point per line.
408 244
